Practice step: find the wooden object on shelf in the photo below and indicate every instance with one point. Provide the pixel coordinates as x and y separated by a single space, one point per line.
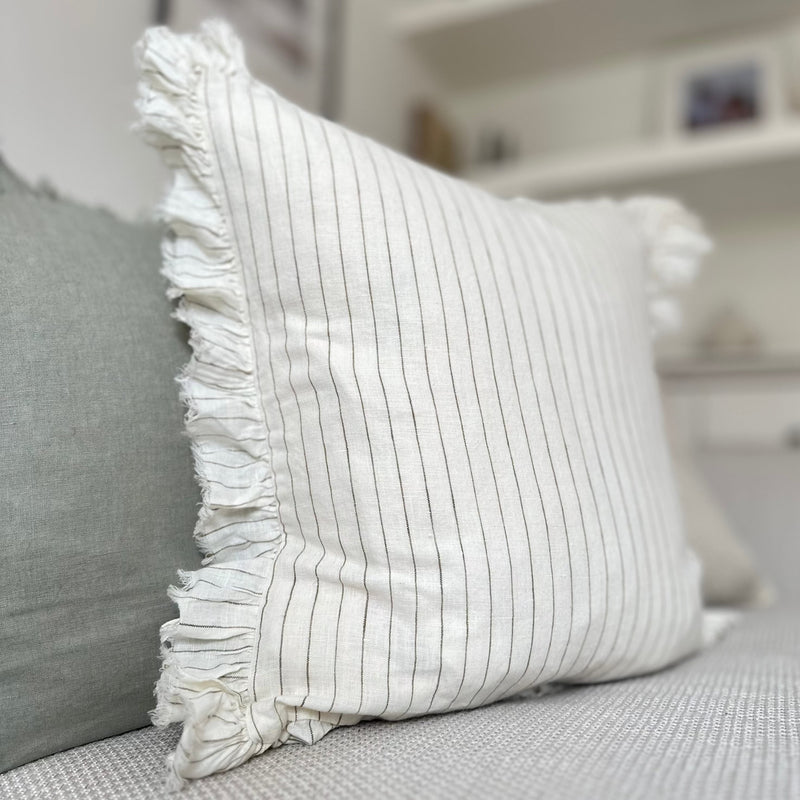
432 141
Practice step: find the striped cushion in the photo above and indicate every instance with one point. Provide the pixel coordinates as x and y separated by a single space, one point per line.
425 422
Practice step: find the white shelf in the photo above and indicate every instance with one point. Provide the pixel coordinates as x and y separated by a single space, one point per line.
417 17
636 163
705 367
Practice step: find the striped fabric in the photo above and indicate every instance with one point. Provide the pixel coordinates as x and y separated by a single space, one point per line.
425 421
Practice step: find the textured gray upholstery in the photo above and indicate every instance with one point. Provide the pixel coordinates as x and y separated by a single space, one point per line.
725 724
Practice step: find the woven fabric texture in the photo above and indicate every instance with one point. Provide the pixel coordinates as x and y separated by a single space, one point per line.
723 725
96 487
425 420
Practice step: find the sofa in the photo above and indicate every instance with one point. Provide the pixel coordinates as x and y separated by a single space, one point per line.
99 497
723 724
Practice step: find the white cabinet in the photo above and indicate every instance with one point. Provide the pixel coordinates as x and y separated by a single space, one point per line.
735 404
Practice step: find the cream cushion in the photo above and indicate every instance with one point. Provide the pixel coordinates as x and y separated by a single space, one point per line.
730 576
425 421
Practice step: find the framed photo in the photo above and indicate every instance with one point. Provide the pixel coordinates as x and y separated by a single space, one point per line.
292 45
722 88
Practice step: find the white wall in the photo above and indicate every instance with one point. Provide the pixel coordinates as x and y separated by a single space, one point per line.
68 83
574 109
67 86
756 269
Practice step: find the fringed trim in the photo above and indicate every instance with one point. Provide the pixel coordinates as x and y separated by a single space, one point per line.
208 652
675 244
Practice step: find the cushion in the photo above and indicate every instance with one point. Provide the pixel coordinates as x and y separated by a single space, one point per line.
758 488
94 485
730 577
425 420
722 726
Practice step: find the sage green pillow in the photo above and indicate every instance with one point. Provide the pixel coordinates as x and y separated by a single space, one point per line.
96 488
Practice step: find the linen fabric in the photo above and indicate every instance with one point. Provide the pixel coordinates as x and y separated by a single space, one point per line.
425 421
95 487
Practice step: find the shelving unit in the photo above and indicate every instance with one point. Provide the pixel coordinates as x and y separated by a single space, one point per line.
734 367
724 401
458 40
578 86
417 17
639 162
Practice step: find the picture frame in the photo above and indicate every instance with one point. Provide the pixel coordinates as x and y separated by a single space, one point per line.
730 87
292 45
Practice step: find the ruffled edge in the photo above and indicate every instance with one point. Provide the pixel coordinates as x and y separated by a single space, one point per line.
208 652
675 244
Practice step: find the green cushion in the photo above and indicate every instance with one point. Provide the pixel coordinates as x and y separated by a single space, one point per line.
96 486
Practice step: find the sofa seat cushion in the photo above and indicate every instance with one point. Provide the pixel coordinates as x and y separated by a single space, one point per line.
723 724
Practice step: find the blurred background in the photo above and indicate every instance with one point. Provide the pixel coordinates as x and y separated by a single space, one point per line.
698 99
